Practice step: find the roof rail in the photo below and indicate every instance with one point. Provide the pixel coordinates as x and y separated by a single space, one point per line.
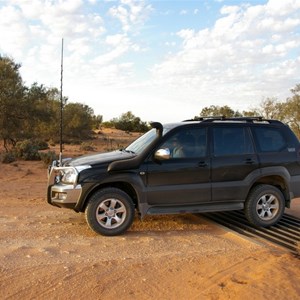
244 119
204 118
238 119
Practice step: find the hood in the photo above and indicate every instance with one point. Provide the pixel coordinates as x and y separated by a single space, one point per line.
100 158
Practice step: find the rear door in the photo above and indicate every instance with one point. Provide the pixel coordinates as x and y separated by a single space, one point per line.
233 162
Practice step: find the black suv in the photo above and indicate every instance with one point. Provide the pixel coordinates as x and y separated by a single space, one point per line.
204 165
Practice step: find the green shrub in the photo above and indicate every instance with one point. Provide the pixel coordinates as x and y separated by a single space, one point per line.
42 145
27 150
7 157
85 146
48 157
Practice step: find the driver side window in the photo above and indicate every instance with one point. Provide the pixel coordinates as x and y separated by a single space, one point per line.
187 143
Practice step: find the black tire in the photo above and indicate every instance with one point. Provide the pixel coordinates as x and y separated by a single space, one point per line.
265 205
109 212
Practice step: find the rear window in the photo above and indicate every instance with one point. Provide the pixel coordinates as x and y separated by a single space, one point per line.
269 139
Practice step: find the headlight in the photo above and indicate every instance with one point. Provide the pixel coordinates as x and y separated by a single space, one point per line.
68 175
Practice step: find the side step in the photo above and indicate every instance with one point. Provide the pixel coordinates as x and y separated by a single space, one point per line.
204 208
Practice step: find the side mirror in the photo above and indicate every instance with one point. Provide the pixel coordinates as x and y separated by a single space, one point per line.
162 154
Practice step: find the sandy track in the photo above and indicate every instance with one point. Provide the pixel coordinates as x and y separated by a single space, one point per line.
49 253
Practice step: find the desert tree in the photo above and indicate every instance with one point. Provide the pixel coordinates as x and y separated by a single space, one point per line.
13 108
78 121
129 122
215 111
291 110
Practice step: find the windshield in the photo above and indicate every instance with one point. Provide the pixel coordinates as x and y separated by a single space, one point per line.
142 142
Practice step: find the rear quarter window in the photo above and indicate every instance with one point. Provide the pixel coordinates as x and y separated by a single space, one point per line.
269 139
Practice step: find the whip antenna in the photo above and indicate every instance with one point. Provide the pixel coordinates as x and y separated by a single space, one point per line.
61 103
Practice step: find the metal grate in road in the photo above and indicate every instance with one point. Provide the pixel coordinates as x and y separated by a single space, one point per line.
285 234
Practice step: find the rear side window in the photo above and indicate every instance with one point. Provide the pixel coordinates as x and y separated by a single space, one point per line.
269 139
232 141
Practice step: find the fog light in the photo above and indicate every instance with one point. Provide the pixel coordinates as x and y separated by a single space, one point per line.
62 196
59 196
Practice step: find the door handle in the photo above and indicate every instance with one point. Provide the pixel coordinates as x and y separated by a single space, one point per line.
249 161
202 164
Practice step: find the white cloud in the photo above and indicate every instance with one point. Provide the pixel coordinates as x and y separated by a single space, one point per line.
282 8
119 45
229 9
13 30
131 13
233 58
249 52
116 39
32 31
111 56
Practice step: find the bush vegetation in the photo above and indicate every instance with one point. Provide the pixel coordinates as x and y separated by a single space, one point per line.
28 114
48 157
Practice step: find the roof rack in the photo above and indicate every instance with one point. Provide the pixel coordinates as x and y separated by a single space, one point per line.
204 118
211 119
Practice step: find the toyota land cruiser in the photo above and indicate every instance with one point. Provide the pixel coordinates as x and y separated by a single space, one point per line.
204 165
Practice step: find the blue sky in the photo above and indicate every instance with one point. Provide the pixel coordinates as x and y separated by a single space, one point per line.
162 60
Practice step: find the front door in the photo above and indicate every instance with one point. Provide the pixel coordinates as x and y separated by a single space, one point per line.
184 178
